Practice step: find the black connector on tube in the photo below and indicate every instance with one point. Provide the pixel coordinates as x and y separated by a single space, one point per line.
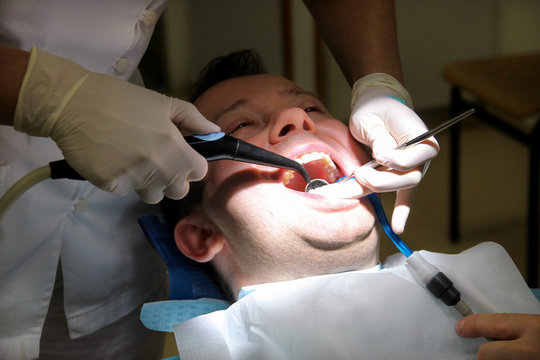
442 288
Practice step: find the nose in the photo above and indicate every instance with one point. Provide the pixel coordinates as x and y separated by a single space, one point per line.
287 122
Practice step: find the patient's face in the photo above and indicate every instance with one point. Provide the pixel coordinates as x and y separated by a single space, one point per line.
273 228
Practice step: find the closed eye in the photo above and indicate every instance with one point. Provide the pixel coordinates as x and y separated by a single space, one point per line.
312 109
235 127
238 127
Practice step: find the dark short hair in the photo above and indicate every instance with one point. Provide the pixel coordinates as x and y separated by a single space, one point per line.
236 64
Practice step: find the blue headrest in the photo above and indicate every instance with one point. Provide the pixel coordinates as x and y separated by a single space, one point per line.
187 278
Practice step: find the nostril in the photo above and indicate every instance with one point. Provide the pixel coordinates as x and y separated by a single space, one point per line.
285 130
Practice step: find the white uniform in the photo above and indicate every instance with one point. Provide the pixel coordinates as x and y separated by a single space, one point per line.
108 267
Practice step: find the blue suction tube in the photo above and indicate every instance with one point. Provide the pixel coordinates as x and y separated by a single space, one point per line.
379 211
435 281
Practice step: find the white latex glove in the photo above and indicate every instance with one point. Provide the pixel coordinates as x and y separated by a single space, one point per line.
381 121
117 135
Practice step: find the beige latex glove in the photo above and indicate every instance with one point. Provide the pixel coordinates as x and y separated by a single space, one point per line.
382 121
117 135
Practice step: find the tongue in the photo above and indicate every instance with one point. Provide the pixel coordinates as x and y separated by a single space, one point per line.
315 170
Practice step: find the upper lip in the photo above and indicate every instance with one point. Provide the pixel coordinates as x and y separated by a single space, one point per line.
297 152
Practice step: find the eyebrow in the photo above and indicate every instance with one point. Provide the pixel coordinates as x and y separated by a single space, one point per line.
238 103
296 91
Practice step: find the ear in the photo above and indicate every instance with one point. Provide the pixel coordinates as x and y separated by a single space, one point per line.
198 238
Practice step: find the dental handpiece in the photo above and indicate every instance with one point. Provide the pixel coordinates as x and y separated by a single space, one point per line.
215 146
219 146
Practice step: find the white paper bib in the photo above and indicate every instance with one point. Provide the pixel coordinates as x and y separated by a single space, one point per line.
360 315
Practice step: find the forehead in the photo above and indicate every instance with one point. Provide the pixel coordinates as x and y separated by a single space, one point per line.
226 93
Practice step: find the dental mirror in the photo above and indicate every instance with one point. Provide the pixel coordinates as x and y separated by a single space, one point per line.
315 183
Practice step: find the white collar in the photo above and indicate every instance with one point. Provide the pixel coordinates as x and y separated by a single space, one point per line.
250 288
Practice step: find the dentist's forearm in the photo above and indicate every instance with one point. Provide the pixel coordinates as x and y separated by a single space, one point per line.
13 64
361 35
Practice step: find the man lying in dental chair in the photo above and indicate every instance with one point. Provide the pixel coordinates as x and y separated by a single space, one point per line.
302 271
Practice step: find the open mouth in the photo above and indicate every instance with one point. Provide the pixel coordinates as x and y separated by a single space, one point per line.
319 165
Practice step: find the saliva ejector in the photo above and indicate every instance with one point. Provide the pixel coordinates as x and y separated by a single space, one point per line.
215 146
432 278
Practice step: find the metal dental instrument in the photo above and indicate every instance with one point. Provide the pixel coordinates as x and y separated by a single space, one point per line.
215 146
374 164
315 183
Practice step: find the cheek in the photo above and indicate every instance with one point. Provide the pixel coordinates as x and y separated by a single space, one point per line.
216 191
334 129
336 132
259 139
232 186
359 151
242 216
221 172
216 172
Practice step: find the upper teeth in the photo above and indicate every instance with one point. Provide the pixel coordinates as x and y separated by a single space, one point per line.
329 165
311 157
314 156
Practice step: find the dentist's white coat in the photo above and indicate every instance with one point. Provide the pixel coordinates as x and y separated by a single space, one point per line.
109 268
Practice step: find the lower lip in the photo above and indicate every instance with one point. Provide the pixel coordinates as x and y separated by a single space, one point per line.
328 204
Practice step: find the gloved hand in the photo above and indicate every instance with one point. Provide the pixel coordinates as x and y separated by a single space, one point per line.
381 120
117 135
